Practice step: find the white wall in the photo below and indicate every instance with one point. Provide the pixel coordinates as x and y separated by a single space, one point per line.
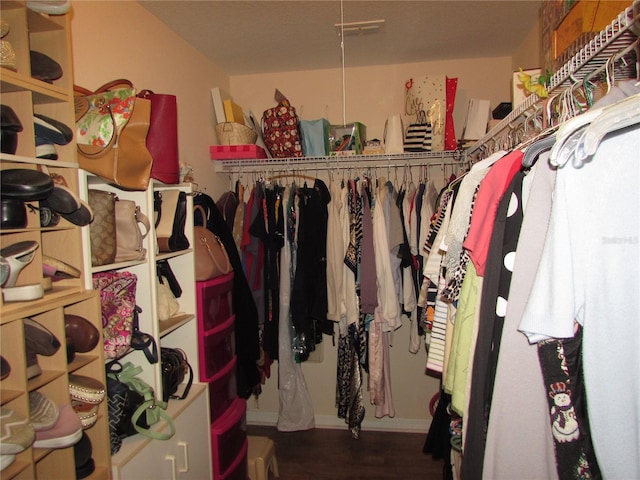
373 93
121 39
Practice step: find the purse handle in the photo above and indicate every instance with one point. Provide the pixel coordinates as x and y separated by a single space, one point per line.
155 408
198 208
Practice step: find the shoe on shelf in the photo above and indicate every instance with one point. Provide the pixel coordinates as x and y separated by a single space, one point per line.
44 68
57 269
85 389
6 460
87 413
81 333
18 256
43 413
82 452
14 215
10 125
52 7
66 432
38 341
51 129
45 149
25 184
5 368
81 217
16 432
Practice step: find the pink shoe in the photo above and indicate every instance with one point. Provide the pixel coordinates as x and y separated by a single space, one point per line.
66 432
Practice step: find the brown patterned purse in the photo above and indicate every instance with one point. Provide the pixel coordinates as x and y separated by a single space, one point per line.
102 231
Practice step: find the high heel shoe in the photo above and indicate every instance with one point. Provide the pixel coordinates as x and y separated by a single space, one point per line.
18 256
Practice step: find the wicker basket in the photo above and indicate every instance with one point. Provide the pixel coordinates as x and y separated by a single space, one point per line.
231 133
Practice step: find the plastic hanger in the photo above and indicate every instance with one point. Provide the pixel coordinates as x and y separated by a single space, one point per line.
536 148
614 117
567 129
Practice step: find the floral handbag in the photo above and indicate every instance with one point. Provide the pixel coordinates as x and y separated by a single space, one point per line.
118 299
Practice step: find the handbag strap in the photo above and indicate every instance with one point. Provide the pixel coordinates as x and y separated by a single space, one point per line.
143 341
189 382
157 207
114 85
112 141
198 208
143 219
155 409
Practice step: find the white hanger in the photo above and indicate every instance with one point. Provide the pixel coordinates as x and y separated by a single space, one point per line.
566 130
613 117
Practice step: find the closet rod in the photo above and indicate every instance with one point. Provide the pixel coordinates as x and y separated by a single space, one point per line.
610 41
273 168
315 163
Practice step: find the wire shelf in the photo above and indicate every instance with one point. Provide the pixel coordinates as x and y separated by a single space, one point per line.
339 162
591 58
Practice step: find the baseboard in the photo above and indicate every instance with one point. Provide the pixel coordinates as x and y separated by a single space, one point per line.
409 425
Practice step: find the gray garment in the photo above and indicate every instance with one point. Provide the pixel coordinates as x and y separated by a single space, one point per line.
519 440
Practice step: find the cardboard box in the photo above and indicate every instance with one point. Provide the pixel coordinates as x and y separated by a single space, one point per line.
585 16
347 138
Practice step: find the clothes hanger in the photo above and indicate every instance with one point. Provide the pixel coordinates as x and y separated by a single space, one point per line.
613 117
536 148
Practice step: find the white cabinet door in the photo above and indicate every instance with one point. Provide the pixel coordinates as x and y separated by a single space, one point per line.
185 456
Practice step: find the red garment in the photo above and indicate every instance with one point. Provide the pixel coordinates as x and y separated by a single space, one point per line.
490 193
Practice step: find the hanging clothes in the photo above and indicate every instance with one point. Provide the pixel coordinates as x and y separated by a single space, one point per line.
247 342
295 410
588 274
309 290
518 361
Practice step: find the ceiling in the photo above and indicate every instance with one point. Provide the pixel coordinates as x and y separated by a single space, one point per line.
265 36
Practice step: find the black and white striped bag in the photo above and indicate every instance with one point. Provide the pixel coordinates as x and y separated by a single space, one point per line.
418 135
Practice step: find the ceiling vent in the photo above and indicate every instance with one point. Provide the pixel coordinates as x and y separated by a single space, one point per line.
359 28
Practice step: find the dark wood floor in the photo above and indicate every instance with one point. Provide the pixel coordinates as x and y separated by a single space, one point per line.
323 454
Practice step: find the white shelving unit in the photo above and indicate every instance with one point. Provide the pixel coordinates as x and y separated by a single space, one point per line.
187 453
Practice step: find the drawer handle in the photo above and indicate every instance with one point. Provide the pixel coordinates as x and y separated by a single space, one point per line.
185 451
172 460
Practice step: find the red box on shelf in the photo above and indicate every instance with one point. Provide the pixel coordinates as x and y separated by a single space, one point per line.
231 152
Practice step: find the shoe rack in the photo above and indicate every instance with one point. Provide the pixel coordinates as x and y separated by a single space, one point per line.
48 34
187 454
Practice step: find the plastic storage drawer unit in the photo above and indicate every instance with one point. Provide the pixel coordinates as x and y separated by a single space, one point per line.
228 436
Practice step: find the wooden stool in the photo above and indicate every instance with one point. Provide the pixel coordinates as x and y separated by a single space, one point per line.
261 456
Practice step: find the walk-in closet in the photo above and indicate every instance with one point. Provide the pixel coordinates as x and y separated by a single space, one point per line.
397 239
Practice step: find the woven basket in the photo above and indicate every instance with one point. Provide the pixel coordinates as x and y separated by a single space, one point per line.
231 133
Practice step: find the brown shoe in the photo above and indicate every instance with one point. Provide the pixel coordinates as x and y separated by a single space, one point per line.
83 335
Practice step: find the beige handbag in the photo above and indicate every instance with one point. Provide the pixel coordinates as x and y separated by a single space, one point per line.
129 238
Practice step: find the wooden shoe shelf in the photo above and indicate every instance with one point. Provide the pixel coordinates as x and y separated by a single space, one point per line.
48 34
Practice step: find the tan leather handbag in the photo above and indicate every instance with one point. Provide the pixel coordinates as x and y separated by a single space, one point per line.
211 257
111 133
